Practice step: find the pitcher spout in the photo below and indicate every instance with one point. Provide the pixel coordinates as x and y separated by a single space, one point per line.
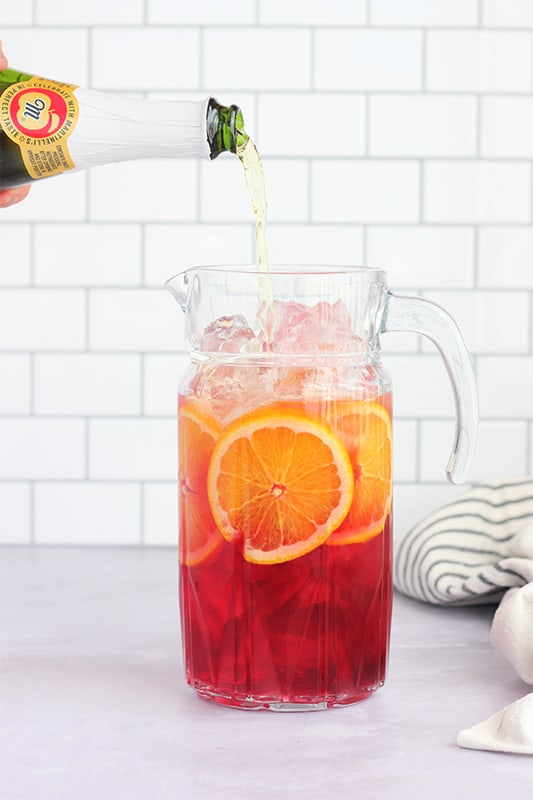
178 288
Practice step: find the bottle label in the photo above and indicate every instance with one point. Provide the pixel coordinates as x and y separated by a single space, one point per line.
39 115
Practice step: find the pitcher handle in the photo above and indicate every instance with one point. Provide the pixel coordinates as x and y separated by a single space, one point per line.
430 320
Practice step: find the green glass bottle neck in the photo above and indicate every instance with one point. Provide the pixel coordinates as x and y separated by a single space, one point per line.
9 76
225 128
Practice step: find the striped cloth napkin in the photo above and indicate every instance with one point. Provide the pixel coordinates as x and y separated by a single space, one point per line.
479 550
472 550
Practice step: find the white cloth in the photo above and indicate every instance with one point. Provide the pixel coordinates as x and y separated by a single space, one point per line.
478 550
512 630
508 731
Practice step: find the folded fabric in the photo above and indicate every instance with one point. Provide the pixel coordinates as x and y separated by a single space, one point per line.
508 731
472 550
478 550
512 630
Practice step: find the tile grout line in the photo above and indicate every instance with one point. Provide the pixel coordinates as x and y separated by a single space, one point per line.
31 247
284 26
89 30
368 124
530 295
475 256
418 449
199 194
312 59
244 223
423 61
201 56
112 481
87 347
87 442
421 191
142 247
142 504
531 190
310 191
142 368
529 465
479 123
32 384
87 198
157 91
257 115
32 511
296 158
198 166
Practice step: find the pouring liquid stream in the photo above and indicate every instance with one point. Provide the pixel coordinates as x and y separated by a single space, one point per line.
255 181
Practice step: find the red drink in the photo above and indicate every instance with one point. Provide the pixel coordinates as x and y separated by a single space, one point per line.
311 630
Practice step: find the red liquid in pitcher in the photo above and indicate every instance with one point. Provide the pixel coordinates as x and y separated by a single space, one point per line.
314 630
301 618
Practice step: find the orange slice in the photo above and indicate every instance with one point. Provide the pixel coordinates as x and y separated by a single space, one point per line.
199 535
366 430
280 480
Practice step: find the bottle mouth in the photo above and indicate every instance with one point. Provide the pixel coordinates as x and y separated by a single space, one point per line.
240 135
225 128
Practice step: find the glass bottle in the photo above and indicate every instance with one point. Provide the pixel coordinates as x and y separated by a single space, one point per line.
48 127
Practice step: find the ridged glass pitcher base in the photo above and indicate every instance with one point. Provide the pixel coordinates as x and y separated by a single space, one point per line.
278 704
307 634
267 703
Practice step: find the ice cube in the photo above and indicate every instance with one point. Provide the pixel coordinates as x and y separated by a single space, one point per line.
227 384
322 328
230 334
233 387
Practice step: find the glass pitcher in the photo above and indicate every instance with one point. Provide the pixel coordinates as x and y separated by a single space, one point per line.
285 478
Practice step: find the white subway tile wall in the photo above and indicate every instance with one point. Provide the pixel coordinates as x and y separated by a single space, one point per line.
398 135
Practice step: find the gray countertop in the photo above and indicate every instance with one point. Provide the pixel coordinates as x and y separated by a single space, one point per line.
93 703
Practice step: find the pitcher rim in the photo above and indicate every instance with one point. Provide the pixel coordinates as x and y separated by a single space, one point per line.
283 269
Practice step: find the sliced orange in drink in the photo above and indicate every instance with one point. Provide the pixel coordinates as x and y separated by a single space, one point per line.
365 428
280 480
199 535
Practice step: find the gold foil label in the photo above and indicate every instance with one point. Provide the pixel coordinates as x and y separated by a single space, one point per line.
39 115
